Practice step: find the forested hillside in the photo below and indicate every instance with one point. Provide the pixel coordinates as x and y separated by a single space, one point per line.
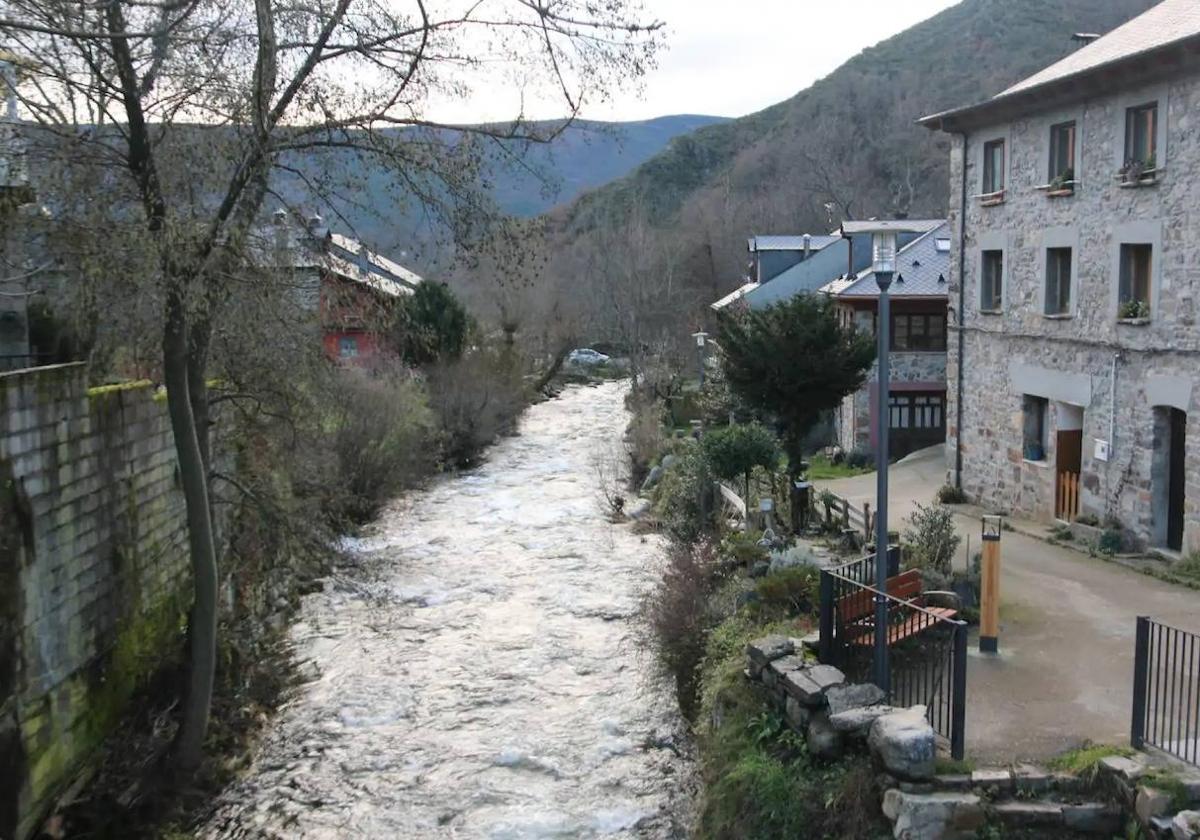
847 147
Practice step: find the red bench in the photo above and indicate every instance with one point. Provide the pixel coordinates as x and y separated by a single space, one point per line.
856 612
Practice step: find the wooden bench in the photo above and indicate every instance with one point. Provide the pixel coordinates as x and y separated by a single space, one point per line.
856 612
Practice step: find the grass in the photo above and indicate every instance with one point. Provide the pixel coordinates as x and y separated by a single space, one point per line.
1188 569
1084 760
820 468
953 767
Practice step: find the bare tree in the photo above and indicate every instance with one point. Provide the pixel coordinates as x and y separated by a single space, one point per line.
123 84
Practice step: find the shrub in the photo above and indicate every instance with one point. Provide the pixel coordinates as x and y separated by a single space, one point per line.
384 438
1110 541
1088 519
1188 568
683 498
948 494
931 541
677 613
734 451
477 398
430 325
860 459
743 548
644 437
791 591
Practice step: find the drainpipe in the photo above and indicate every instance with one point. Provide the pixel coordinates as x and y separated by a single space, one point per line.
962 296
1112 408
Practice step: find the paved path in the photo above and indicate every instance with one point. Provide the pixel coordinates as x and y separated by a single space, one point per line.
1066 639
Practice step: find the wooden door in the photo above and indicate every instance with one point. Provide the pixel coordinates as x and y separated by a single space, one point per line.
1069 461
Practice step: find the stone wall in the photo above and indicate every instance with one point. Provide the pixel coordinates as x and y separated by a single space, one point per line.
94 580
1068 359
908 369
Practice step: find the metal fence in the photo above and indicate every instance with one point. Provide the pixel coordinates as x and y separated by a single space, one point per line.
1166 690
927 653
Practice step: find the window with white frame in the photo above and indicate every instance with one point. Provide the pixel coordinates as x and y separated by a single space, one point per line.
993 167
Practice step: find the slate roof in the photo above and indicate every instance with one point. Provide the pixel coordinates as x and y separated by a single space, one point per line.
1140 50
1169 21
736 295
789 243
922 270
351 259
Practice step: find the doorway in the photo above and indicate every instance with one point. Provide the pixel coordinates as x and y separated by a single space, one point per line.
1169 477
1068 449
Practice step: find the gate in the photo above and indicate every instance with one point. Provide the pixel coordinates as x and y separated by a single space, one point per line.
1066 499
1166 690
927 654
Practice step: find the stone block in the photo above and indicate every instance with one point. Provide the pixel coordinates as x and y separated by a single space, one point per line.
796 713
933 816
1128 769
787 663
905 744
824 742
1026 815
997 779
843 698
810 684
953 781
858 721
810 643
1031 779
1186 825
1093 818
1151 802
763 651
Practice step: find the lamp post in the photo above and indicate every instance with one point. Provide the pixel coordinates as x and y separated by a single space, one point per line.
883 267
701 339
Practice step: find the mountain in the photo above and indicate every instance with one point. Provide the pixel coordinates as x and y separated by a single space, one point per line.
846 147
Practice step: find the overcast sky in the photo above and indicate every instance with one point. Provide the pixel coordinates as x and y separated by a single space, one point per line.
734 57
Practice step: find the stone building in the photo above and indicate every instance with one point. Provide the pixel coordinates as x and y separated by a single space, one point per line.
1075 352
917 391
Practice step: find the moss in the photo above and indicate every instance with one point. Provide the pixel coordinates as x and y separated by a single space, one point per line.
1169 783
1084 760
950 766
101 391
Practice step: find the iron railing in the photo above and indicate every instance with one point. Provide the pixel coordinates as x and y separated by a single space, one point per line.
1166 690
927 653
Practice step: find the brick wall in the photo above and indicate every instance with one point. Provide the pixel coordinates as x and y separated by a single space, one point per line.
93 577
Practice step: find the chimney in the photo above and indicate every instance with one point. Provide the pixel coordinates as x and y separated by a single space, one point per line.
279 223
9 74
807 245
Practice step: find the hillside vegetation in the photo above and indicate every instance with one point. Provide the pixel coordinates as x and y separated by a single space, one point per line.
847 147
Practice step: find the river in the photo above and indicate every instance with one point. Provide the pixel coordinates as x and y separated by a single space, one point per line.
479 671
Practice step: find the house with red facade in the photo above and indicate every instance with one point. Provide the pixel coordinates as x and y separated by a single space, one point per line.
353 289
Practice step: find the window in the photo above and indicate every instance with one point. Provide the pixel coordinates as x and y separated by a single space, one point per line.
1062 153
1134 291
348 347
899 411
1141 126
1034 445
993 167
992 281
927 411
1058 281
919 332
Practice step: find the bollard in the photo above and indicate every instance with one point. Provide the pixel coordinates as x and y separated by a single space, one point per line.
989 595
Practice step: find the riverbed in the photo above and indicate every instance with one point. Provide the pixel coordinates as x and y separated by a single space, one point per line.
480 670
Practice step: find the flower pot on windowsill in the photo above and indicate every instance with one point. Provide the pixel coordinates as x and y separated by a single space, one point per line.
1035 452
1134 312
1061 192
1134 322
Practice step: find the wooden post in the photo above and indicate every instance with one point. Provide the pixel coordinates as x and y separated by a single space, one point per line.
989 597
845 513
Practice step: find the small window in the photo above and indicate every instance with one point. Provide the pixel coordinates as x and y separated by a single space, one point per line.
919 332
1062 154
1058 281
348 347
1141 128
992 281
1034 445
942 245
899 411
993 167
1134 293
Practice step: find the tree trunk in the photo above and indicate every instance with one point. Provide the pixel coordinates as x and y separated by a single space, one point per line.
202 628
552 371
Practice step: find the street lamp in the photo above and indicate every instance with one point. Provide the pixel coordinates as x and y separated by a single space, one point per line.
701 339
883 266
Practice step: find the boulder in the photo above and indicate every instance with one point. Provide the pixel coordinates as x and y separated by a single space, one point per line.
639 509
823 740
933 816
1186 825
905 744
858 721
810 684
843 698
669 461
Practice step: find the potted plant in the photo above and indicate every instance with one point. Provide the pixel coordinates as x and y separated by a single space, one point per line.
1134 310
1132 171
1035 451
1063 183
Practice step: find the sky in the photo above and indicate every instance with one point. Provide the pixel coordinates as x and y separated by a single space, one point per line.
733 57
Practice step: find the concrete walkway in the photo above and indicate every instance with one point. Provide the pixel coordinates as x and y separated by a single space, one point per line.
1064 671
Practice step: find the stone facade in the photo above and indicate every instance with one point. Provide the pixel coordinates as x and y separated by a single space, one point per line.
94 580
1111 379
